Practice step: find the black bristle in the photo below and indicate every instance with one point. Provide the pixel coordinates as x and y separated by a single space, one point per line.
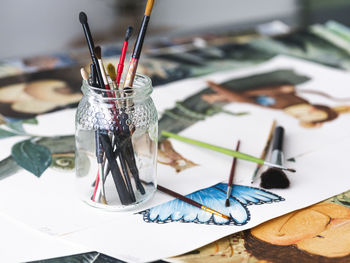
128 33
227 203
274 178
83 18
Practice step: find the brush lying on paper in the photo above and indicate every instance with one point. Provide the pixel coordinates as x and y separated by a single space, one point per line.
265 151
226 151
191 202
274 178
114 148
230 180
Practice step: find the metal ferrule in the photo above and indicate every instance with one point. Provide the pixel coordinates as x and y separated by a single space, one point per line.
277 157
229 190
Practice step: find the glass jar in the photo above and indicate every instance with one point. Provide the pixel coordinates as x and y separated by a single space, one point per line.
116 145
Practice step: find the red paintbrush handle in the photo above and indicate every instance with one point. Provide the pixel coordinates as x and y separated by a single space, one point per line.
121 62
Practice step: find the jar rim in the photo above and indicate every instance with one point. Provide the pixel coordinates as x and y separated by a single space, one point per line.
142 86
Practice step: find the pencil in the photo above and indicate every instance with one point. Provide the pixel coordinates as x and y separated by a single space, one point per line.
191 202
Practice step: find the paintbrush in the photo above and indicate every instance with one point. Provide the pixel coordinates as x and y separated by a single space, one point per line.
98 53
226 151
274 178
138 45
99 183
124 195
112 75
120 67
230 180
128 161
191 202
121 155
99 156
93 76
265 150
84 74
84 22
129 82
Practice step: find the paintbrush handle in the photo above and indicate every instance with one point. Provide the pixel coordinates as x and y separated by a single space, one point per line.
120 67
91 47
124 195
191 202
226 151
136 53
278 138
130 76
178 196
140 37
265 150
233 167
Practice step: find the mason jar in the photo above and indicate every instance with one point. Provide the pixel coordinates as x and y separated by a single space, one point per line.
116 145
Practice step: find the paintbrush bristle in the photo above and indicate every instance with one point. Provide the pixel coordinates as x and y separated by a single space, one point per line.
128 33
227 203
98 52
149 7
103 200
111 71
274 178
84 74
291 170
83 18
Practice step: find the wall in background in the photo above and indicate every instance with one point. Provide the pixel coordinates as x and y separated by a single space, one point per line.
40 26
199 13
33 27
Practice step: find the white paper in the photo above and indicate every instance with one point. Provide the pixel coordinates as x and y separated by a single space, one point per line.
19 243
49 203
131 239
299 140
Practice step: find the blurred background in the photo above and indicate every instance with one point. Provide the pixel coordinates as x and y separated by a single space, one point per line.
34 27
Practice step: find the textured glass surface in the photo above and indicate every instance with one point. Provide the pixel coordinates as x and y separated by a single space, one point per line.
129 122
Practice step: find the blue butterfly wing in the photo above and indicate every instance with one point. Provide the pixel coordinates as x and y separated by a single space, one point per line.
250 195
212 197
170 211
215 199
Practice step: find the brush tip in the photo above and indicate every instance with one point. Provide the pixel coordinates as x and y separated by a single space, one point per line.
98 52
227 203
111 71
291 170
83 18
103 200
128 33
